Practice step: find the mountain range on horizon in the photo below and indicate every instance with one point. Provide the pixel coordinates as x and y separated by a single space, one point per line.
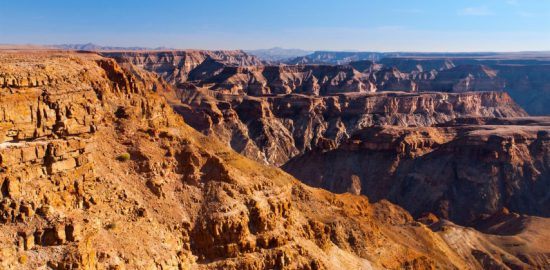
280 53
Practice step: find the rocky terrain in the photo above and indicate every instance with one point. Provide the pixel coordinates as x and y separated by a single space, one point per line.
276 128
464 170
522 75
273 113
524 79
275 80
343 57
97 171
175 66
278 54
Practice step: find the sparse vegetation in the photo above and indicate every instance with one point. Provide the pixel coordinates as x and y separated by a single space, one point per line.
111 226
124 157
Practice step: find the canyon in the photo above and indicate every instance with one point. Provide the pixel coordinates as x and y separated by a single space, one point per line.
277 128
130 160
464 170
298 117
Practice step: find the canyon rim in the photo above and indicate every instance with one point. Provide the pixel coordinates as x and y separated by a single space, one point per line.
142 154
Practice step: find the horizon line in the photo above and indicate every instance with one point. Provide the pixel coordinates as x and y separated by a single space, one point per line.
167 48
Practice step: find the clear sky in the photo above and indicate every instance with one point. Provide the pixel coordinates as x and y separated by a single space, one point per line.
374 25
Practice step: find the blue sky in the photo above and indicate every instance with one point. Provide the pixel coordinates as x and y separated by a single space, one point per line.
374 25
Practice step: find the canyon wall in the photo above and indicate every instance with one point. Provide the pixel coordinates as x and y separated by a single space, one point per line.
524 79
275 129
321 73
175 66
463 171
98 172
276 80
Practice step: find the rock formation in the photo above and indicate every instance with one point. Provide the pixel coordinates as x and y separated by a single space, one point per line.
276 80
277 128
98 172
463 171
520 75
175 66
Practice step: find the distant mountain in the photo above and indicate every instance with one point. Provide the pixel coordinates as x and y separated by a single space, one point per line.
335 58
95 47
343 57
278 54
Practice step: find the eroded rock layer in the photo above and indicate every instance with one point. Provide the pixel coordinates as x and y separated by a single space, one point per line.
522 75
463 171
175 66
97 172
276 128
272 80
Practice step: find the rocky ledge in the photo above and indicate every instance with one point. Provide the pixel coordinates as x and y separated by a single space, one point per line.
98 172
175 66
463 171
273 129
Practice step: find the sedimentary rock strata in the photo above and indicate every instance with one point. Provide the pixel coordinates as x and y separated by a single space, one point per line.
277 128
274 80
98 172
463 171
520 75
176 66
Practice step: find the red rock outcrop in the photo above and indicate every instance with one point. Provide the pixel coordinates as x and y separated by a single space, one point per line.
98 172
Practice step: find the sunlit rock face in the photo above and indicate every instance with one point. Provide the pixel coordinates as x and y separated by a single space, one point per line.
98 172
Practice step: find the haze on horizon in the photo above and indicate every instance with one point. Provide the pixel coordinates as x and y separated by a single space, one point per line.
358 25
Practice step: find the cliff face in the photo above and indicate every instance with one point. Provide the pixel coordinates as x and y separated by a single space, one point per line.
97 172
463 171
523 79
175 66
522 76
275 129
275 80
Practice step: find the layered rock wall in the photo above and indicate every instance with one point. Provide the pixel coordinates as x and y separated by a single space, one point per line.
97 172
459 172
275 129
175 66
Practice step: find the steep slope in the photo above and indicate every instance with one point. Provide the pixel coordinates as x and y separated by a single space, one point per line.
343 57
272 80
97 172
276 128
175 66
462 171
334 58
520 75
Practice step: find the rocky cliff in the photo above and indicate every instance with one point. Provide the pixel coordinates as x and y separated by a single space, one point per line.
275 80
523 78
464 171
175 66
97 172
321 73
276 128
